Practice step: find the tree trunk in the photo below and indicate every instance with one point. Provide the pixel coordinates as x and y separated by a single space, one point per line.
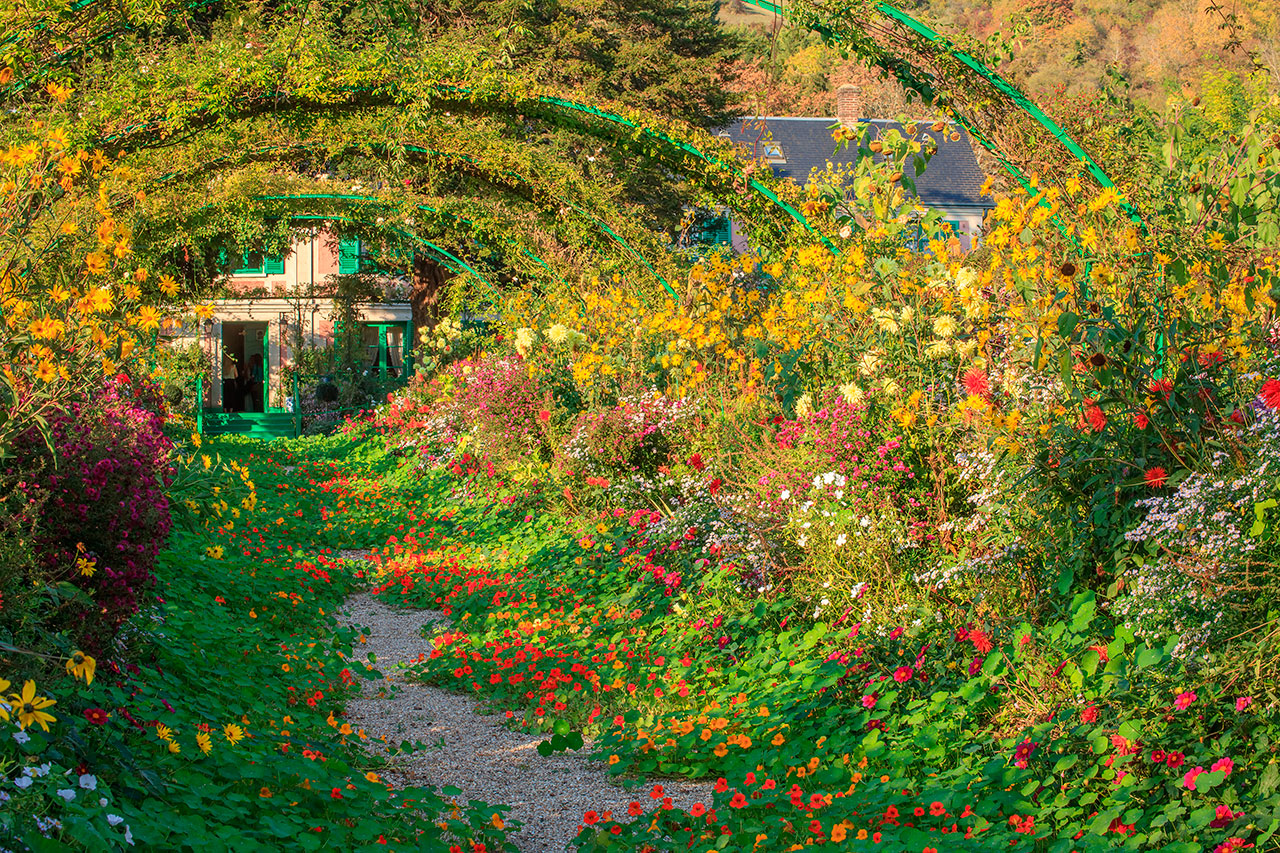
430 281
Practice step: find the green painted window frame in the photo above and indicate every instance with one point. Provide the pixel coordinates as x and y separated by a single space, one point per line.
259 264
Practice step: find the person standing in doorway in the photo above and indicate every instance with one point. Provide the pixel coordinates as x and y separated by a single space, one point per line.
254 390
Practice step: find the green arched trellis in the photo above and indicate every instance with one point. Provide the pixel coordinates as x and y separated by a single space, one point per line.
276 150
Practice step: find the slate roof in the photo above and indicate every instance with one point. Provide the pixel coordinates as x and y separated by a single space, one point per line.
952 179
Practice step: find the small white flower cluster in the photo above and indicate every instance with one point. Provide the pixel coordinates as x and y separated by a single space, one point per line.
76 795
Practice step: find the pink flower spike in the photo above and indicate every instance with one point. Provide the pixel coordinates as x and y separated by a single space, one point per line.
1184 700
1243 702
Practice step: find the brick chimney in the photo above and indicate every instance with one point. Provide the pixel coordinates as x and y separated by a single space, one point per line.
849 104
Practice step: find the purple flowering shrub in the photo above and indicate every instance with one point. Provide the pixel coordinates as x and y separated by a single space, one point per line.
103 513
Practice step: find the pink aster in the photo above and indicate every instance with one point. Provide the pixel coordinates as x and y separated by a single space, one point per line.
1243 702
1184 700
1189 780
1226 765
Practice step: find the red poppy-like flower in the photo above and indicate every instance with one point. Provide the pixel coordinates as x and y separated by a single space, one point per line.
590 818
698 810
976 384
1095 418
1269 393
937 809
634 809
97 716
738 801
1156 477
903 673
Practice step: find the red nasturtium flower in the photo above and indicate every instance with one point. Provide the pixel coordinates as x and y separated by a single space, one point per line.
1156 477
738 801
590 818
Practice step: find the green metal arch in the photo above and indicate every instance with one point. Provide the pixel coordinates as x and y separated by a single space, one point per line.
452 92
603 226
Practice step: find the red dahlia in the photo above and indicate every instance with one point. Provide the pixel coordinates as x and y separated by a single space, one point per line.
1269 393
976 383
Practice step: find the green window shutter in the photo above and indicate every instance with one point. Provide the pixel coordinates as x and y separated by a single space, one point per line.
348 255
717 231
273 266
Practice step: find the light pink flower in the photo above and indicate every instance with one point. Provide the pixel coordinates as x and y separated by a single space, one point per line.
1243 702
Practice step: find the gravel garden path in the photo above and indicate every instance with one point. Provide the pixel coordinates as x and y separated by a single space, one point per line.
475 752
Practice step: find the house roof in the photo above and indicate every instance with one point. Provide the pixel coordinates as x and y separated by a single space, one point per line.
952 178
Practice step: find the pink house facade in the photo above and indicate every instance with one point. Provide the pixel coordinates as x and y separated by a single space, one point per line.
250 340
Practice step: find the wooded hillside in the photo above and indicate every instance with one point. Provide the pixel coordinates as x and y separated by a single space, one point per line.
1149 51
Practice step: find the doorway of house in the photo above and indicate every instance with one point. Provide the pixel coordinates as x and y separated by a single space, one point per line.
244 367
384 350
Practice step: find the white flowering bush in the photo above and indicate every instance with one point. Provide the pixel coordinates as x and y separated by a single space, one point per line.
1204 568
43 802
634 436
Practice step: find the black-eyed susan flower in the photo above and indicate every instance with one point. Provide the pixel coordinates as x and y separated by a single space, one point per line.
29 708
81 665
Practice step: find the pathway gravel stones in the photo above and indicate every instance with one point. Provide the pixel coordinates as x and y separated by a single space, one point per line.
474 752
